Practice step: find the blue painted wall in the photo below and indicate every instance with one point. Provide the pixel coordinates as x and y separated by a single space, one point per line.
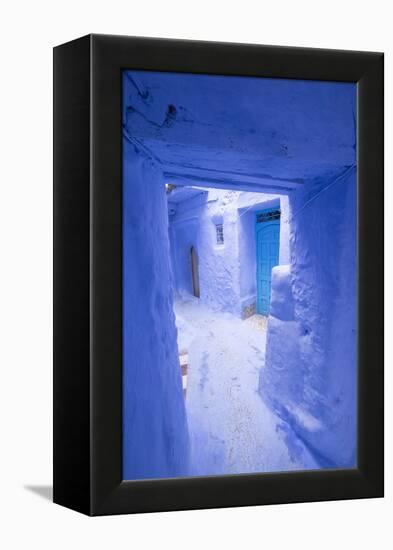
155 435
310 376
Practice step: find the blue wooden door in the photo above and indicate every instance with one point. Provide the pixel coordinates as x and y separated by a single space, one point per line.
268 242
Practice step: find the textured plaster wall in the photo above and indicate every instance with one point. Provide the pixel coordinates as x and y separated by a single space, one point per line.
195 225
218 264
285 252
155 436
310 375
227 272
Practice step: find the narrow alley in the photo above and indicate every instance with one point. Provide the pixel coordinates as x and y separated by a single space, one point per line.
232 430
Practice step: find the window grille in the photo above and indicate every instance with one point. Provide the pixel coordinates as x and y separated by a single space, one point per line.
220 233
268 216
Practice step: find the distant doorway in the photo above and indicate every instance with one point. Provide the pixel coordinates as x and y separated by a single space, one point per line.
195 273
268 243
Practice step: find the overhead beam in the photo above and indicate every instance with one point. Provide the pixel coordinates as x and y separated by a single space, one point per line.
227 180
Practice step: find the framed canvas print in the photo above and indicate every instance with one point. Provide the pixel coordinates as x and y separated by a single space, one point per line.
218 275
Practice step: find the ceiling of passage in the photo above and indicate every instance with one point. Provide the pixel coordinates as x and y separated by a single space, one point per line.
271 135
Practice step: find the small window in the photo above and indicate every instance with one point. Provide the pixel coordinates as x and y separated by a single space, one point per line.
220 233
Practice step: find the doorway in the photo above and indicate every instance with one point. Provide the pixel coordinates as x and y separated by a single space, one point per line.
268 245
195 273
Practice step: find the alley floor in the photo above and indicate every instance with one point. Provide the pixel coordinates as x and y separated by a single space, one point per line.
231 429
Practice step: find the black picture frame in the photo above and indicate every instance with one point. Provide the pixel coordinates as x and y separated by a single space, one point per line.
88 274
